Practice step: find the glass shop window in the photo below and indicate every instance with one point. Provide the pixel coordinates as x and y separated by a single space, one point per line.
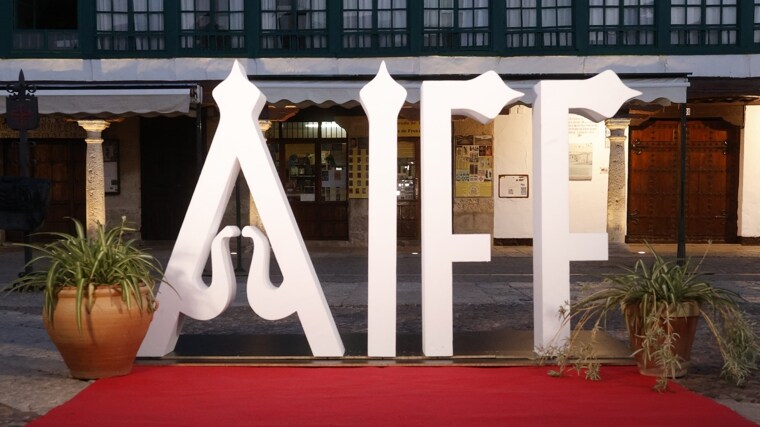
300 184
334 168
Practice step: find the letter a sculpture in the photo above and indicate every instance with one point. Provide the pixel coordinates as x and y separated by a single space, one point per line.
240 145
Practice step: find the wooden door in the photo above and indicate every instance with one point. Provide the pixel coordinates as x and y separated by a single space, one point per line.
321 220
712 183
316 182
168 171
62 161
712 173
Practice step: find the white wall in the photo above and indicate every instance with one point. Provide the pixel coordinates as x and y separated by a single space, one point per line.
128 201
749 175
513 155
513 218
733 66
588 199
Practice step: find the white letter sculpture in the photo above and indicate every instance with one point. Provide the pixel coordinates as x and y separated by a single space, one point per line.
481 98
553 245
382 99
239 144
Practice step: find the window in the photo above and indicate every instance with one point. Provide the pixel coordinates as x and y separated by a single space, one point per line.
130 25
452 24
299 130
45 25
621 23
315 171
293 24
539 23
374 24
703 22
212 25
757 22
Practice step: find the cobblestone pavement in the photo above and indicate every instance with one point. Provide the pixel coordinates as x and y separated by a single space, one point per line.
491 296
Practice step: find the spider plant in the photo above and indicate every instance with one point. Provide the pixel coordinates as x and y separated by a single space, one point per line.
651 297
83 263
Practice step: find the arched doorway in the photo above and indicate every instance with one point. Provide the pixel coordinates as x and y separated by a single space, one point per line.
712 181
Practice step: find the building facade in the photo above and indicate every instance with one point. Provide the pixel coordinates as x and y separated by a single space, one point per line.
133 80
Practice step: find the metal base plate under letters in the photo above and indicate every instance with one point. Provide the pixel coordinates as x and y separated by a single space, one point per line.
489 348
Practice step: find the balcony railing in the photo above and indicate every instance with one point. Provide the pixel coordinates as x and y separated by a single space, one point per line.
45 40
658 36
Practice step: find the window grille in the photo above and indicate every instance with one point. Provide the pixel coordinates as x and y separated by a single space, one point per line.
703 22
216 25
293 24
375 24
130 25
539 23
45 25
621 23
307 130
756 26
454 24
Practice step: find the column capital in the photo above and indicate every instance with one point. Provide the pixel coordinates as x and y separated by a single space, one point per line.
94 129
617 124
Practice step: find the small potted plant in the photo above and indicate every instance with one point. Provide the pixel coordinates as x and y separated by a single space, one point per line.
99 297
662 303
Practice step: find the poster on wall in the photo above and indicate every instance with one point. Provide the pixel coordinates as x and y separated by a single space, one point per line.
581 135
581 161
473 174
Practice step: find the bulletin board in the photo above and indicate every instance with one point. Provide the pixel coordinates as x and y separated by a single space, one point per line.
473 174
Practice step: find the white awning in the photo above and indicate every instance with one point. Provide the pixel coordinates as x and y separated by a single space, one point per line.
302 93
114 102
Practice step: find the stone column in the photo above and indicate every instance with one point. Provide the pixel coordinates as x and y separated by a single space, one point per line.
253 215
95 181
616 190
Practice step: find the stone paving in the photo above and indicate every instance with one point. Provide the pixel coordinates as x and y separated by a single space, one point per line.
487 296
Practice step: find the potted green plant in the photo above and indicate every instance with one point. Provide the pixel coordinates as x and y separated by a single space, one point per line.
99 296
661 303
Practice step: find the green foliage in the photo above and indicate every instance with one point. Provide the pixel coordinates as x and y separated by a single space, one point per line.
77 261
580 356
655 294
575 357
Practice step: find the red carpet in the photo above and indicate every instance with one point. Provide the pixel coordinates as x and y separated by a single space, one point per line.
382 396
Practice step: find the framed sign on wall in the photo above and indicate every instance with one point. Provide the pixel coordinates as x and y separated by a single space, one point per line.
111 166
513 186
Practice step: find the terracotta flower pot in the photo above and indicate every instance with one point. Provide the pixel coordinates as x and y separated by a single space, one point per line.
110 336
683 323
